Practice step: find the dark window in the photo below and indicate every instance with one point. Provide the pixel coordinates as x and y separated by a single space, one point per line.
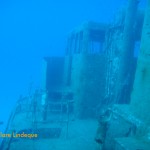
95 47
137 48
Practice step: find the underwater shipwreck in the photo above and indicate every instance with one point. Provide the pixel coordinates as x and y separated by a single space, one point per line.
96 97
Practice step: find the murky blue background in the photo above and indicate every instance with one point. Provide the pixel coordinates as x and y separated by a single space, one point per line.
32 29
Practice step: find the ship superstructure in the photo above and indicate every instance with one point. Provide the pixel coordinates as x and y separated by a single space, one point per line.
93 81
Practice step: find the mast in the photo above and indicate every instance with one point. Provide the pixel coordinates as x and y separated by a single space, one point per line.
127 53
